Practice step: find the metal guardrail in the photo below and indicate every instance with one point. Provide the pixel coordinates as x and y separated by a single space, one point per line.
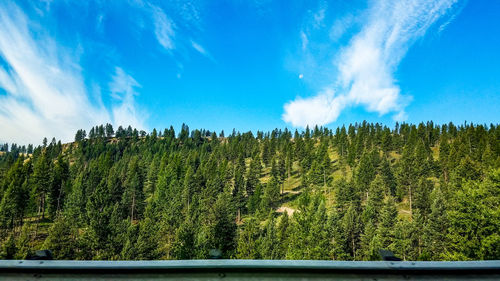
247 270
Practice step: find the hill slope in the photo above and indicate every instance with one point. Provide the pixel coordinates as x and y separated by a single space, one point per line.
316 194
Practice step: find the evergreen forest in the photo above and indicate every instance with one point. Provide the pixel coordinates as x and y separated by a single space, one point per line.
423 191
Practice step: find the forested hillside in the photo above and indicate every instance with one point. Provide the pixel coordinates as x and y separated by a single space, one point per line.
424 191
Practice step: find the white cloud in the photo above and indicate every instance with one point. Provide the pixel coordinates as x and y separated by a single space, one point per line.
177 26
311 111
122 85
122 88
198 48
45 94
340 26
171 29
164 28
304 40
202 50
366 65
6 82
319 17
99 23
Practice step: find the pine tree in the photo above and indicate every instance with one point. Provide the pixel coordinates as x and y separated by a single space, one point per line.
351 226
422 192
223 229
318 235
24 242
403 244
133 196
388 177
268 241
435 231
345 194
312 244
282 235
289 163
338 240
315 175
247 238
95 238
271 195
8 249
444 151
282 173
129 251
13 205
253 176
41 182
147 241
62 239
238 190
374 202
369 245
474 220
109 130
365 173
56 194
407 174
385 230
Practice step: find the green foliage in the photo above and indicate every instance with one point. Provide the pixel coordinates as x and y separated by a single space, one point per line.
271 195
435 230
248 238
475 220
184 245
8 249
374 201
309 233
370 243
351 228
426 191
62 239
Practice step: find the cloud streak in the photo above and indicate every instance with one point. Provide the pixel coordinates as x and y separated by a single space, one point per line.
122 88
44 93
164 28
367 64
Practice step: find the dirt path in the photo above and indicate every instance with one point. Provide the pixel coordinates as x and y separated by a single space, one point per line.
288 210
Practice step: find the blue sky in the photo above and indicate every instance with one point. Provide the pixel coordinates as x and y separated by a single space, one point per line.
249 65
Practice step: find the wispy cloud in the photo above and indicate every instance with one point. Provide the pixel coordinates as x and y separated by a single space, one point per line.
173 23
44 90
367 64
198 48
122 88
304 40
319 16
177 28
202 50
340 26
164 27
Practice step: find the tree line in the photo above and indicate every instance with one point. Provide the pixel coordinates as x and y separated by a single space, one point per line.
425 192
